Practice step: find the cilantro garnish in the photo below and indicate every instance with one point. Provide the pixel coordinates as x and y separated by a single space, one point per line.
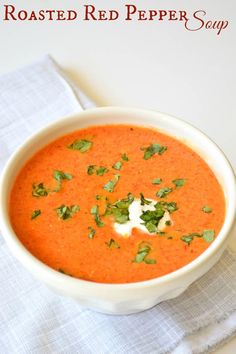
95 213
207 209
91 232
35 214
152 150
117 165
143 200
39 190
143 251
81 145
208 236
99 170
163 192
157 181
124 157
66 212
120 209
60 175
110 185
112 244
179 182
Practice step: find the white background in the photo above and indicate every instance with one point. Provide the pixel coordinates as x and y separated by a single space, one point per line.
154 65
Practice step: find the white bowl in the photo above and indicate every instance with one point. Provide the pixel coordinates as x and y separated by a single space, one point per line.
131 297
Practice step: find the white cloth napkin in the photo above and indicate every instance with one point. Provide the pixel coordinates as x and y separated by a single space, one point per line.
35 320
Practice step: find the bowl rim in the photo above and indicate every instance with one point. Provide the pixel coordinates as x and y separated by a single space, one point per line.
27 259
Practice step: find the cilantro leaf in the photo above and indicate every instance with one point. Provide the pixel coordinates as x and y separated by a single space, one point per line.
35 214
152 150
157 181
95 213
110 185
208 235
117 165
143 200
120 209
124 157
82 145
60 175
163 192
100 170
179 182
143 251
112 244
39 190
91 233
207 209
91 169
66 212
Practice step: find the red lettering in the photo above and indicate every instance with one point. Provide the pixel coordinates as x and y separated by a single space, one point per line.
183 16
131 9
162 13
153 13
22 15
89 13
72 15
172 15
9 11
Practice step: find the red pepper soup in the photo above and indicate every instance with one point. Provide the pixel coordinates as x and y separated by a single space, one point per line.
116 204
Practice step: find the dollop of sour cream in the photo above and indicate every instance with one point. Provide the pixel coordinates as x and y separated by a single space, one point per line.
135 211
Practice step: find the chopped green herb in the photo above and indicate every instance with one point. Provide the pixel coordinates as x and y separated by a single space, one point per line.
110 185
179 182
95 213
143 200
161 233
151 218
143 251
157 181
208 235
60 175
98 197
170 207
207 209
101 170
60 270
39 190
150 261
152 150
81 145
124 157
189 238
91 170
66 212
117 165
91 233
169 237
168 223
120 209
35 214
112 244
151 227
163 192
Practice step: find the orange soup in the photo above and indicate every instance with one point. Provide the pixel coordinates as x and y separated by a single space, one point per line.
116 204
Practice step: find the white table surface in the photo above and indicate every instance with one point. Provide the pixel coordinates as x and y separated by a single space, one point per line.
152 65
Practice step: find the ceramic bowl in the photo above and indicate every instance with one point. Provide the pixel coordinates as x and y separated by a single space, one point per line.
131 297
